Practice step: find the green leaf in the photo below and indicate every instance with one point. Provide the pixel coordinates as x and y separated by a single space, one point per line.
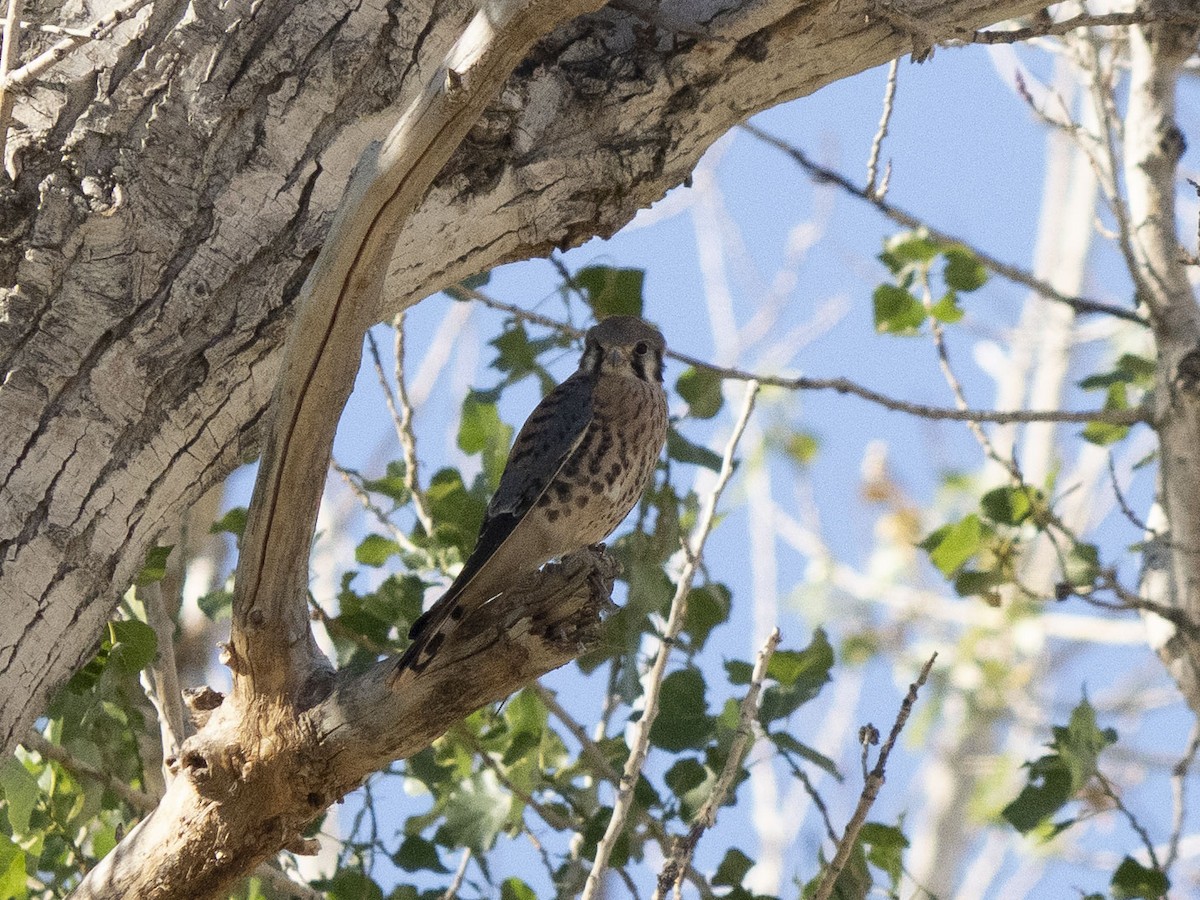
375 550
1133 880
233 522
701 388
708 607
947 309
594 831
801 677
683 721
1103 433
1057 777
391 485
134 645
515 889
349 884
216 604
416 853
692 782
482 431
1009 505
20 790
476 814
733 868
12 871
909 247
1080 742
516 353
739 672
1082 565
963 271
681 449
802 447
951 546
788 744
474 282
896 310
886 845
970 583
611 291
155 566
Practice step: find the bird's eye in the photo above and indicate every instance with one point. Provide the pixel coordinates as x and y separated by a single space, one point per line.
641 348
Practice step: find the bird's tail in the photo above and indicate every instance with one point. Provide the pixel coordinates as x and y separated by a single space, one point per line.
431 629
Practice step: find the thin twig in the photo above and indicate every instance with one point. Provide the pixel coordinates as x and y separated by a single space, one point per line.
9 49
138 800
870 791
549 816
654 678
672 873
846 386
1051 29
879 191
98 29
1111 125
352 480
161 679
459 875
1179 796
818 802
956 388
1126 510
908 220
1137 826
604 769
404 431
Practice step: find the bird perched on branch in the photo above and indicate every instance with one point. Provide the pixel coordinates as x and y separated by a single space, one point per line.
579 464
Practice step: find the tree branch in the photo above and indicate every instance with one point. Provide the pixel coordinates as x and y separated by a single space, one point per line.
843 385
908 220
874 782
706 818
1085 20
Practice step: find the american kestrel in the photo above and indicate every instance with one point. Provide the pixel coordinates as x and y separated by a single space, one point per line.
579 464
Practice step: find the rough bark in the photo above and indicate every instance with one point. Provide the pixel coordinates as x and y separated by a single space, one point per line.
175 181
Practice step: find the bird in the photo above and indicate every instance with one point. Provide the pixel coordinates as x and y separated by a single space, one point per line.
580 462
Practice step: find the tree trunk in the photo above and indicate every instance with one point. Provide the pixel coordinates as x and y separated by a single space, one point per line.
172 183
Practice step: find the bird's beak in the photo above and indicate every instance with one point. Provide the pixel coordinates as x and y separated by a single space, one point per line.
614 357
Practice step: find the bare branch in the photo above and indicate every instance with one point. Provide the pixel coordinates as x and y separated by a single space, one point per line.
1179 776
908 220
879 191
672 873
459 874
161 678
60 51
846 386
870 791
404 432
1050 29
654 678
9 50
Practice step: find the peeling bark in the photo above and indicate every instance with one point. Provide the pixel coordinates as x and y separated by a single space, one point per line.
175 181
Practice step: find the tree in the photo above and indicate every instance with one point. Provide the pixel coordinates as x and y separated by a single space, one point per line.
175 281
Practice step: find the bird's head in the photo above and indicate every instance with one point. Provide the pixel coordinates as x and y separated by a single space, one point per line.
626 346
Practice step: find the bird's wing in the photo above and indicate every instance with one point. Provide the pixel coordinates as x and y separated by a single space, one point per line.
546 441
